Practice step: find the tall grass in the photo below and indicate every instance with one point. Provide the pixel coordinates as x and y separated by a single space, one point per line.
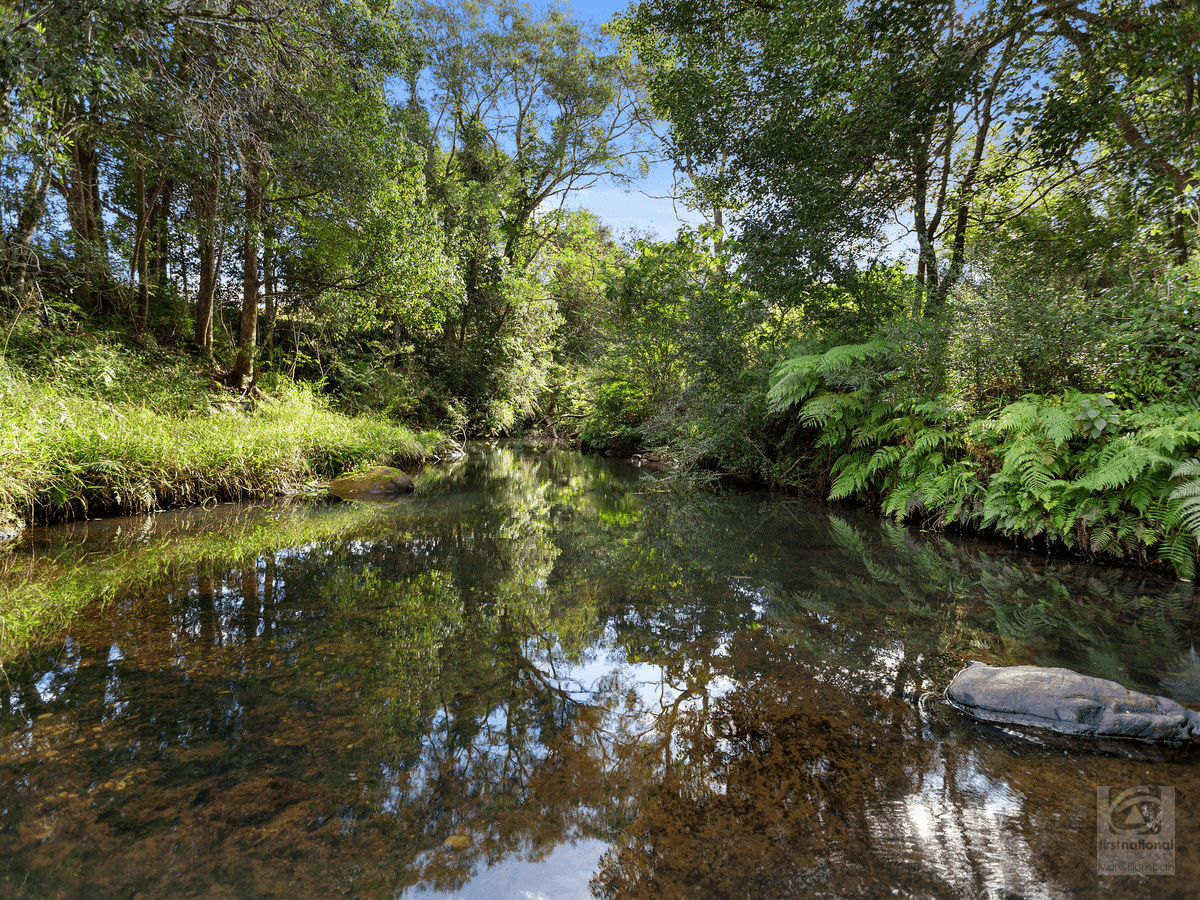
93 428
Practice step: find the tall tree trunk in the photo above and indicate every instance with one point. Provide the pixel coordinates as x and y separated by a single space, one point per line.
206 195
270 306
926 260
206 289
81 189
145 234
162 234
19 250
242 375
1179 242
140 256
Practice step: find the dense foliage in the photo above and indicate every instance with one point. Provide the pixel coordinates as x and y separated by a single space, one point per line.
950 269
1030 365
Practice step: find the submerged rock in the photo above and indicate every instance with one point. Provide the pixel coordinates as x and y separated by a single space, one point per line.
1069 703
376 484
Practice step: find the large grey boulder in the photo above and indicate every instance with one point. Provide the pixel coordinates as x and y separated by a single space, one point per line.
379 483
1067 702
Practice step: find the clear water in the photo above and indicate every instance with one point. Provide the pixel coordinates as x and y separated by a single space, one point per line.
550 675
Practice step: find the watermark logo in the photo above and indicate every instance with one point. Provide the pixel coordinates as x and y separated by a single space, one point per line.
1135 830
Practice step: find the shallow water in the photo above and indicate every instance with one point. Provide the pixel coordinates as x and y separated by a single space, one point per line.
550 675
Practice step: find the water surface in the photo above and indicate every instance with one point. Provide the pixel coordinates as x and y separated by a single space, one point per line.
550 675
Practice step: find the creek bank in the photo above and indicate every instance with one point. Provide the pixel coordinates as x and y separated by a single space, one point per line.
166 485
1067 702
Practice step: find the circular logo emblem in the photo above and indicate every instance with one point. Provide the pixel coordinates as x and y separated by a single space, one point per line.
1136 810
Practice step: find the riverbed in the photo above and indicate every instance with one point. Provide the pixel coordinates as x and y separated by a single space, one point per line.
553 675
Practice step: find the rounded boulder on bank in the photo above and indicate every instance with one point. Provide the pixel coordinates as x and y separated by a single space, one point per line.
379 483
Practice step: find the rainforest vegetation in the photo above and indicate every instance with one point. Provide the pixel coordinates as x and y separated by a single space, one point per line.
949 268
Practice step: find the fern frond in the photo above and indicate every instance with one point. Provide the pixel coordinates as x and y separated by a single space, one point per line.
1057 423
1170 437
852 475
929 439
1018 416
883 458
795 379
1122 461
1185 498
1181 550
824 407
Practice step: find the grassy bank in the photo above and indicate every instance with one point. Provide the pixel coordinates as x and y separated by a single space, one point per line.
93 427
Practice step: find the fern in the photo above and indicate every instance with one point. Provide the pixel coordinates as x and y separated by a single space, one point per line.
1183 548
1186 496
1018 416
852 475
853 366
1116 487
1122 461
1057 424
827 406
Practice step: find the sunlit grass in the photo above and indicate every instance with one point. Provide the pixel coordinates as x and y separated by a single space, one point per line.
91 427
63 456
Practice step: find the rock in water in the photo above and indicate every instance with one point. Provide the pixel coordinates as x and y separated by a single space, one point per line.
377 484
1067 702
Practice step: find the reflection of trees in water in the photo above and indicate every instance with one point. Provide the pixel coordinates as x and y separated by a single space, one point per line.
415 679
537 661
958 603
788 787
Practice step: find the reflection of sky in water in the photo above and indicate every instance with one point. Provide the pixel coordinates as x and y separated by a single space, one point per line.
965 829
956 807
561 875
633 697
56 681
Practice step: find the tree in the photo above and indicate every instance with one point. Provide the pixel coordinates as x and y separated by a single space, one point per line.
114 104
833 124
1124 91
516 113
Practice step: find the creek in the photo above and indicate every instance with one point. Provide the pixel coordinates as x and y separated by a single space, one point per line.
552 675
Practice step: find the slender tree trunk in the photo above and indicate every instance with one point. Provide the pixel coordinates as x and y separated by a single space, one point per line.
140 256
206 289
242 374
162 234
81 189
19 250
206 194
926 261
1179 241
270 307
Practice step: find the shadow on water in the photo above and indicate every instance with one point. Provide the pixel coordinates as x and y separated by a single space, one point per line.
547 674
